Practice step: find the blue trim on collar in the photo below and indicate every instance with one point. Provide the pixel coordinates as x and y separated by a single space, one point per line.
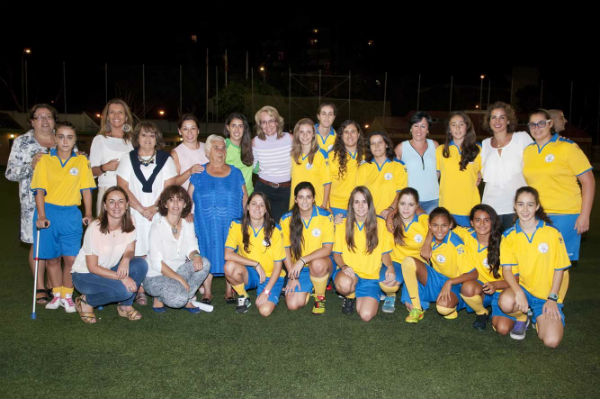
353 156
359 226
54 153
382 165
414 219
457 147
256 232
331 133
553 139
539 225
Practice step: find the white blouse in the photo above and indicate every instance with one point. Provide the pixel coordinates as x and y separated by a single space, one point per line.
164 247
503 172
105 149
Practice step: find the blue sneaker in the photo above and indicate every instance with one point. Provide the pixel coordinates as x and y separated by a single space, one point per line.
389 304
519 330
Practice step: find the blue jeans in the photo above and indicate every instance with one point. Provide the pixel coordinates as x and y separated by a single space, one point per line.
100 290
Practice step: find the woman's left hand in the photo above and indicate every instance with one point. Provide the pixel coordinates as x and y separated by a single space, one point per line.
290 288
261 273
296 269
582 224
149 212
198 263
551 310
390 275
489 288
262 299
444 295
87 219
123 270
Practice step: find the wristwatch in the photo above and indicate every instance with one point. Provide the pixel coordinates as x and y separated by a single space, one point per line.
553 297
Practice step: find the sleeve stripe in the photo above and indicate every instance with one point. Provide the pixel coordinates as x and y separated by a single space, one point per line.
564 268
585 171
336 252
509 264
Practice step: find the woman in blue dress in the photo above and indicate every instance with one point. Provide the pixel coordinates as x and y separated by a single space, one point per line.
218 194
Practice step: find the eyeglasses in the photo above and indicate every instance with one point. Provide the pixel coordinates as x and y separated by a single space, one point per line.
539 125
271 122
43 118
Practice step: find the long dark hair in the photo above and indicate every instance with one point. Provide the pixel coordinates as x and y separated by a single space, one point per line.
441 211
493 248
268 225
246 144
398 225
339 149
296 225
540 214
389 146
127 225
370 225
469 149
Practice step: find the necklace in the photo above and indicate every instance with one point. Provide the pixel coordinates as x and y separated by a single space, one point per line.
174 229
146 161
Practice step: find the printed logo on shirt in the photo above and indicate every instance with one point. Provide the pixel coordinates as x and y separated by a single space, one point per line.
330 147
460 250
418 238
74 171
549 158
316 232
543 247
440 258
308 166
265 243
388 176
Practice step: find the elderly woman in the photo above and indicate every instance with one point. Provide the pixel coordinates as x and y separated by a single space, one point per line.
110 144
24 155
176 267
271 148
218 194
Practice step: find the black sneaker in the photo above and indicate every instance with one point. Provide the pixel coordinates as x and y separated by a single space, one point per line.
348 305
480 322
243 304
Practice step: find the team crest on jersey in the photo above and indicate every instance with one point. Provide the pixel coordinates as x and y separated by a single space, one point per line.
74 171
418 238
549 158
460 251
543 247
440 258
316 232
308 166
330 147
265 243
388 176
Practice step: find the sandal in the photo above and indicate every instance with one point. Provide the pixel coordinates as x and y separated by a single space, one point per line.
207 301
141 299
86 317
230 299
41 300
130 314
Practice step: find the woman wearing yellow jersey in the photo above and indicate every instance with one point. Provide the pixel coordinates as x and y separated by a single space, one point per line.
441 281
362 244
308 239
554 166
309 163
459 165
381 174
325 132
348 152
537 251
483 243
254 255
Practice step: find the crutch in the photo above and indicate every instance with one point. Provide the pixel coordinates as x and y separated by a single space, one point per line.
35 277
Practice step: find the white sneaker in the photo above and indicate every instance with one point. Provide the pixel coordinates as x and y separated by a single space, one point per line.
54 303
202 306
68 304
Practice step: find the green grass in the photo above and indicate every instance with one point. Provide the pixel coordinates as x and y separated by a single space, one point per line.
288 355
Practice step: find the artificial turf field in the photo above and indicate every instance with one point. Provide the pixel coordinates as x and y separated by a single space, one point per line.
289 354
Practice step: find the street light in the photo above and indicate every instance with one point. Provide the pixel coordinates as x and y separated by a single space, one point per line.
24 83
161 112
481 77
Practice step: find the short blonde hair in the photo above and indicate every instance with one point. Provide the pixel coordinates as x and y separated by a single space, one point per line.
272 111
210 140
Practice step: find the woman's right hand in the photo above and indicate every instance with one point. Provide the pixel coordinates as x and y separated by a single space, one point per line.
42 223
521 301
348 271
290 288
261 273
130 284
426 252
296 269
35 159
196 168
339 218
111 165
149 212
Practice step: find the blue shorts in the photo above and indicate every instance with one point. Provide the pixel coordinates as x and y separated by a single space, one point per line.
338 211
397 269
463 221
537 306
430 205
435 281
254 282
304 279
63 237
366 287
566 225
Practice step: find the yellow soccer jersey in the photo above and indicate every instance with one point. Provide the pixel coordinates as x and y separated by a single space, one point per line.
317 231
257 250
478 254
450 257
553 171
316 173
383 181
414 236
458 188
62 181
326 144
536 257
341 188
365 265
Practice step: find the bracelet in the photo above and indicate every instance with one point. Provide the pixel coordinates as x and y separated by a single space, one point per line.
303 261
553 297
266 291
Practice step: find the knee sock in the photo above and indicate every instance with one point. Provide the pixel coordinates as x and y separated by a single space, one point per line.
520 316
66 292
409 272
56 291
351 295
240 289
448 313
320 284
476 303
389 291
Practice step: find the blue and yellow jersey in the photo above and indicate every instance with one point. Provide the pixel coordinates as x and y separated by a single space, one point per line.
535 258
257 250
383 181
61 181
458 188
552 170
316 173
341 188
316 232
365 265
414 236
478 254
450 256
326 144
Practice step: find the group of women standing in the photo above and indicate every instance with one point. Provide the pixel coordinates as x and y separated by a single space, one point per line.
197 210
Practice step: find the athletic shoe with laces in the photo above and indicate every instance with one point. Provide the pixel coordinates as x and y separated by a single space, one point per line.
54 303
68 304
389 304
243 304
415 316
519 330
480 322
348 305
319 306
